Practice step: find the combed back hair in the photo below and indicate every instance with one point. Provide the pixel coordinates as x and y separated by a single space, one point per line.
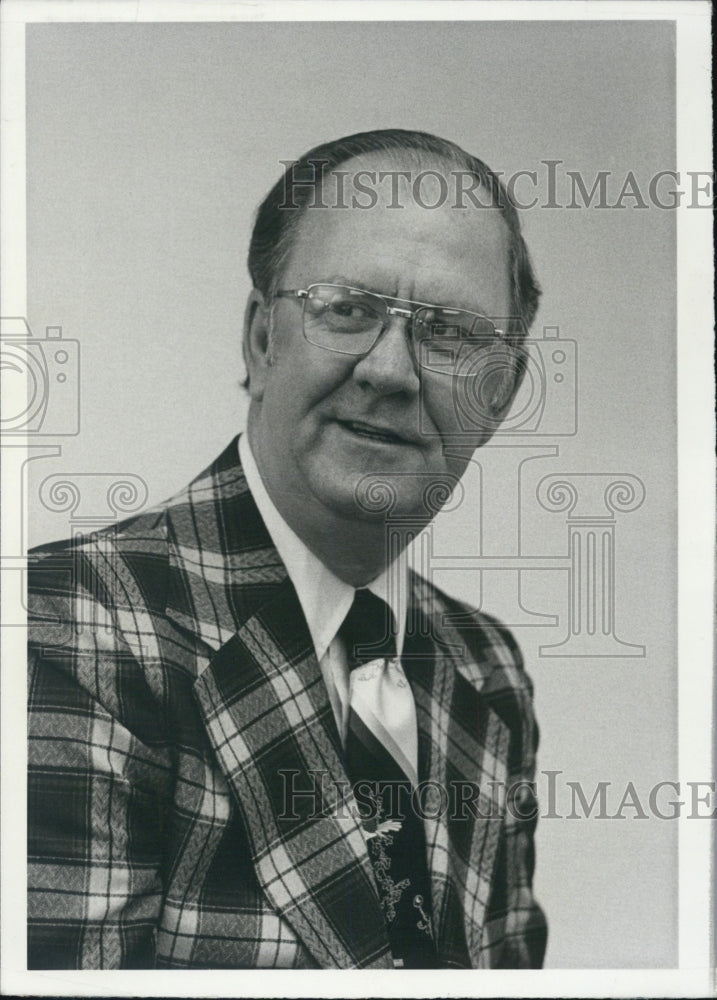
300 187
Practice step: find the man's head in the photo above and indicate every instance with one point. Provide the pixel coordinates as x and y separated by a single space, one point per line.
300 188
418 222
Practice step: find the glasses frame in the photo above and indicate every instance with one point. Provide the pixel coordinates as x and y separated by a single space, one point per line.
391 310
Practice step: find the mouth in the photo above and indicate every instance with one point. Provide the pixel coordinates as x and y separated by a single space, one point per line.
371 432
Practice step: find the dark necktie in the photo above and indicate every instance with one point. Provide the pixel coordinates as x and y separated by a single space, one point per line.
382 776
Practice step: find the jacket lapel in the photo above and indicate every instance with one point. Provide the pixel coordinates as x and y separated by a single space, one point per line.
223 565
266 710
463 750
268 717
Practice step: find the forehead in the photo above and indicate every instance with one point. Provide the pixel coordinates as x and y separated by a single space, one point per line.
412 237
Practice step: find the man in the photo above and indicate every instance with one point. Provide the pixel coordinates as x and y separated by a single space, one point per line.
258 740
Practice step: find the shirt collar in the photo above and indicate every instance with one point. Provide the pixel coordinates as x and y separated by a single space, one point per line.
324 598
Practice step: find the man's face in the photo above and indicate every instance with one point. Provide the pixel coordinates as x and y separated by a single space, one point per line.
323 421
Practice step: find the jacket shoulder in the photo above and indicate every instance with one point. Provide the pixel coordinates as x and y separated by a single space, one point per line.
491 643
138 549
106 562
486 653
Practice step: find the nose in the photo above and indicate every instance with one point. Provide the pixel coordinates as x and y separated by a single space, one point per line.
389 366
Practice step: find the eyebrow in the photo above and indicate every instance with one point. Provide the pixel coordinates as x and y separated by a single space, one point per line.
342 279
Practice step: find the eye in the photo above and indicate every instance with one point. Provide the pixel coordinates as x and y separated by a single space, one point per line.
349 313
346 309
438 324
453 324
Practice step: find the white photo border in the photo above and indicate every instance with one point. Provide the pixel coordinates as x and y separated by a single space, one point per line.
694 976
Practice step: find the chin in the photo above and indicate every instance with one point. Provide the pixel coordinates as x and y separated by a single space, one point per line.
376 497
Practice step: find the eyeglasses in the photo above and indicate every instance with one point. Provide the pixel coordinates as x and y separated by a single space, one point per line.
350 320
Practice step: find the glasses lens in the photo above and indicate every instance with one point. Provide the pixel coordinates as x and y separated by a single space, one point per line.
342 319
452 341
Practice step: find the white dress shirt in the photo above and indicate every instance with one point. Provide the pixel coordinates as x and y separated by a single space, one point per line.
325 599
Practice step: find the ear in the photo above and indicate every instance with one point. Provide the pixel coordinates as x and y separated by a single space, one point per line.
255 344
500 387
507 390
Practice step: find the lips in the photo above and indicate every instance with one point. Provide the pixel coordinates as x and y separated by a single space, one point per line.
374 432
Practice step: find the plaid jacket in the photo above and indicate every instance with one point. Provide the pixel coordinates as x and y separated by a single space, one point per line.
174 698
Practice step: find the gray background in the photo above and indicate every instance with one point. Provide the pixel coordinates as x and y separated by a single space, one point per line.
148 149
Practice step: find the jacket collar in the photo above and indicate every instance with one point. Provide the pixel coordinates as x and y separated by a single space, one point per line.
222 563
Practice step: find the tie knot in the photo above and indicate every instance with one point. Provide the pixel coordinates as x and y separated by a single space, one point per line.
369 629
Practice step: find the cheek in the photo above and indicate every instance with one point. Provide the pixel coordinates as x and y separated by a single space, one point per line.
457 413
438 407
301 378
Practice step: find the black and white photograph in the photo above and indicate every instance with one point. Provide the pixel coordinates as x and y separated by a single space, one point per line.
358 499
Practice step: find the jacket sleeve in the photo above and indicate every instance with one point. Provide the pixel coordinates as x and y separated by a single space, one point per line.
515 935
97 782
